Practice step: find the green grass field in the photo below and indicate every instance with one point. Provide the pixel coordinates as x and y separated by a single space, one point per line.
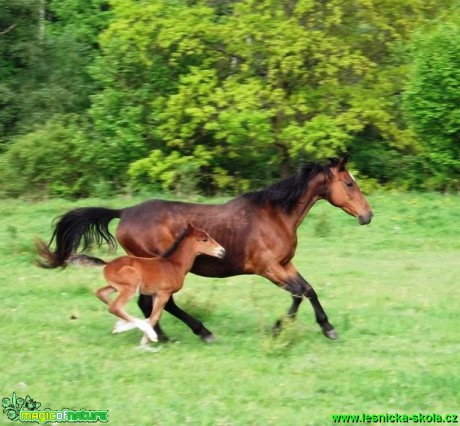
390 289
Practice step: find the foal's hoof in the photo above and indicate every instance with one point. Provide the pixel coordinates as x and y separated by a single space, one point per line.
331 334
152 337
146 339
148 348
122 326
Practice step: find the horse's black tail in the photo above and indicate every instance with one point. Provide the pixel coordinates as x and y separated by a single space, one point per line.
89 226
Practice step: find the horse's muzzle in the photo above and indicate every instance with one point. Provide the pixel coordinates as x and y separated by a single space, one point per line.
365 219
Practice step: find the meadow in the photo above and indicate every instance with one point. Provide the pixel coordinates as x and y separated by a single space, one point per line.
390 289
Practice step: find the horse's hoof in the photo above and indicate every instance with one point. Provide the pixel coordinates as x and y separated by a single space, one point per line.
331 334
277 327
209 338
162 338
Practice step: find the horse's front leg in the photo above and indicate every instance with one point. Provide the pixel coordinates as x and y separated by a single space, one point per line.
198 328
320 314
288 278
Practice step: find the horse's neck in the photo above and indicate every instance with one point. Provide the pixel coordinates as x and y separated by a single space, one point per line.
313 192
184 256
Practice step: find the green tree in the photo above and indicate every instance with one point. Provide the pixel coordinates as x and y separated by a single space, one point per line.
18 27
46 48
432 104
254 86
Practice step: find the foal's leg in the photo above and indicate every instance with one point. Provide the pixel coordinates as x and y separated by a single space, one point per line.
288 278
121 325
104 292
116 308
145 304
158 306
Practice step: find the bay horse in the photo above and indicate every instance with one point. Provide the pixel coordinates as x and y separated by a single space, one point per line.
258 230
160 277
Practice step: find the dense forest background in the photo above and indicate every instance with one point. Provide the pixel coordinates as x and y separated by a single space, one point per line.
220 96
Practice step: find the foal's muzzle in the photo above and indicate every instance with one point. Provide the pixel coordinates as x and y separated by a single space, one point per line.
220 252
365 219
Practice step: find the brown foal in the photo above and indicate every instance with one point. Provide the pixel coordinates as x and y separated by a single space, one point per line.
159 277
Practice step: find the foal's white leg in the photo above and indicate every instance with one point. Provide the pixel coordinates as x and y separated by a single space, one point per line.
122 325
144 325
149 335
144 341
144 345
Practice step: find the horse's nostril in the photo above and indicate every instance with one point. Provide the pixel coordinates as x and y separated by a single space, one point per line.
365 219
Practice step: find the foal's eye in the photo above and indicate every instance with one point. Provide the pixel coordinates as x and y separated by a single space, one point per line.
349 184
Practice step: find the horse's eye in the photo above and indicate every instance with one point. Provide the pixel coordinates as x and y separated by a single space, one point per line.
350 184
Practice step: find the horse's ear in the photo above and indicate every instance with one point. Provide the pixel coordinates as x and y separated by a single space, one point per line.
190 228
343 162
333 161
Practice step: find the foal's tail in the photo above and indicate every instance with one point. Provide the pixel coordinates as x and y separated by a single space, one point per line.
49 258
90 224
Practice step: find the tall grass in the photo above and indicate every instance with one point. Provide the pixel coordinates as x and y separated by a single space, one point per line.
390 289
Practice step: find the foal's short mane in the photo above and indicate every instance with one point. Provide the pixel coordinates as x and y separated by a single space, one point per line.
287 192
176 244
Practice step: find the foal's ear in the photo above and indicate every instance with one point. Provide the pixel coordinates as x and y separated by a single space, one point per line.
190 228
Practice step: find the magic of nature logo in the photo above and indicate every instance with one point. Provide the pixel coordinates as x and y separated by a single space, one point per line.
27 410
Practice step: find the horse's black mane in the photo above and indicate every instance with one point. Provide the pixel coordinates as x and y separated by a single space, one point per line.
286 193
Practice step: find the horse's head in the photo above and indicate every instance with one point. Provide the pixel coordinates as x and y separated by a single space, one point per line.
343 191
204 243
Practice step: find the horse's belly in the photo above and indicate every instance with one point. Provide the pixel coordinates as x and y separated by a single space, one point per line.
207 266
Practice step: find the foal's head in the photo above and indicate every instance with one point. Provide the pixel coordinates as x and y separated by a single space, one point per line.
343 191
203 243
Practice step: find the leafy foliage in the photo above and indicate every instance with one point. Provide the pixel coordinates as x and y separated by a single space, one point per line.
432 103
51 160
219 95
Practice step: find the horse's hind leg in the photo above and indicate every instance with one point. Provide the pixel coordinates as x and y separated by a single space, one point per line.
194 324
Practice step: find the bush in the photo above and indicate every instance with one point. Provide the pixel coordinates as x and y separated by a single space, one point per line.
48 161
